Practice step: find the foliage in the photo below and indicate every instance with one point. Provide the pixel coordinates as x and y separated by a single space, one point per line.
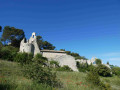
76 55
40 74
62 49
54 63
116 70
64 68
108 63
103 70
12 35
12 78
8 53
39 59
83 67
94 78
47 45
11 72
0 28
44 44
23 58
98 61
1 45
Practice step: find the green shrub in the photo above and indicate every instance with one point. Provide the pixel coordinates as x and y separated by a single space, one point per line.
54 63
39 74
94 78
82 67
23 58
8 53
116 70
103 70
38 58
64 68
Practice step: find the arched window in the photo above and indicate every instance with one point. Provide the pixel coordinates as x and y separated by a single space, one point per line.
33 36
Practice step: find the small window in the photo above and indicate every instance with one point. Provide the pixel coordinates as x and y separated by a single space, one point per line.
33 36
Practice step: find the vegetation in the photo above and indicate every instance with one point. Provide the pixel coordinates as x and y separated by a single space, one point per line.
55 63
0 28
76 55
116 71
98 61
23 58
103 70
12 35
8 53
93 77
44 44
82 67
34 73
64 68
12 78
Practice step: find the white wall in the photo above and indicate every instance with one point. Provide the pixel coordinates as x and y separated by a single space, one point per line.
52 54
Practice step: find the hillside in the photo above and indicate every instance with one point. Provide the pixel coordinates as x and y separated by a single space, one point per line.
11 78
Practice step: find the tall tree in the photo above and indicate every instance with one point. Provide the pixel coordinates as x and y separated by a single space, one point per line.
44 44
0 28
12 35
47 45
98 61
40 42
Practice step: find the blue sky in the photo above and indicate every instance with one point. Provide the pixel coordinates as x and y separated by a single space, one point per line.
88 27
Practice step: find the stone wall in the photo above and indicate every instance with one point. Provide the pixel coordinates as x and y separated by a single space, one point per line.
52 54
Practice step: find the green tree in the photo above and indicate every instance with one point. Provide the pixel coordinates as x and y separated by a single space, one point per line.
40 42
62 49
44 44
108 63
12 35
0 28
47 45
98 61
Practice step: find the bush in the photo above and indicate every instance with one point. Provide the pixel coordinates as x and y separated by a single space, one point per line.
116 70
40 74
64 68
23 58
82 67
8 53
54 63
94 78
103 70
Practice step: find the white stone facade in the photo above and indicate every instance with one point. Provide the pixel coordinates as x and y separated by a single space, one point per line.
30 46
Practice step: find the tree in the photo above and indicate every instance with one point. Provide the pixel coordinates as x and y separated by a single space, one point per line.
108 63
12 35
47 45
98 61
44 44
62 49
0 28
40 42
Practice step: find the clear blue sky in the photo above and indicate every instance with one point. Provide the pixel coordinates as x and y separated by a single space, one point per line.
88 27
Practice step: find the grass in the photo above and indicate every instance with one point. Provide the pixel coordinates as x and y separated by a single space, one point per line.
11 78
113 81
